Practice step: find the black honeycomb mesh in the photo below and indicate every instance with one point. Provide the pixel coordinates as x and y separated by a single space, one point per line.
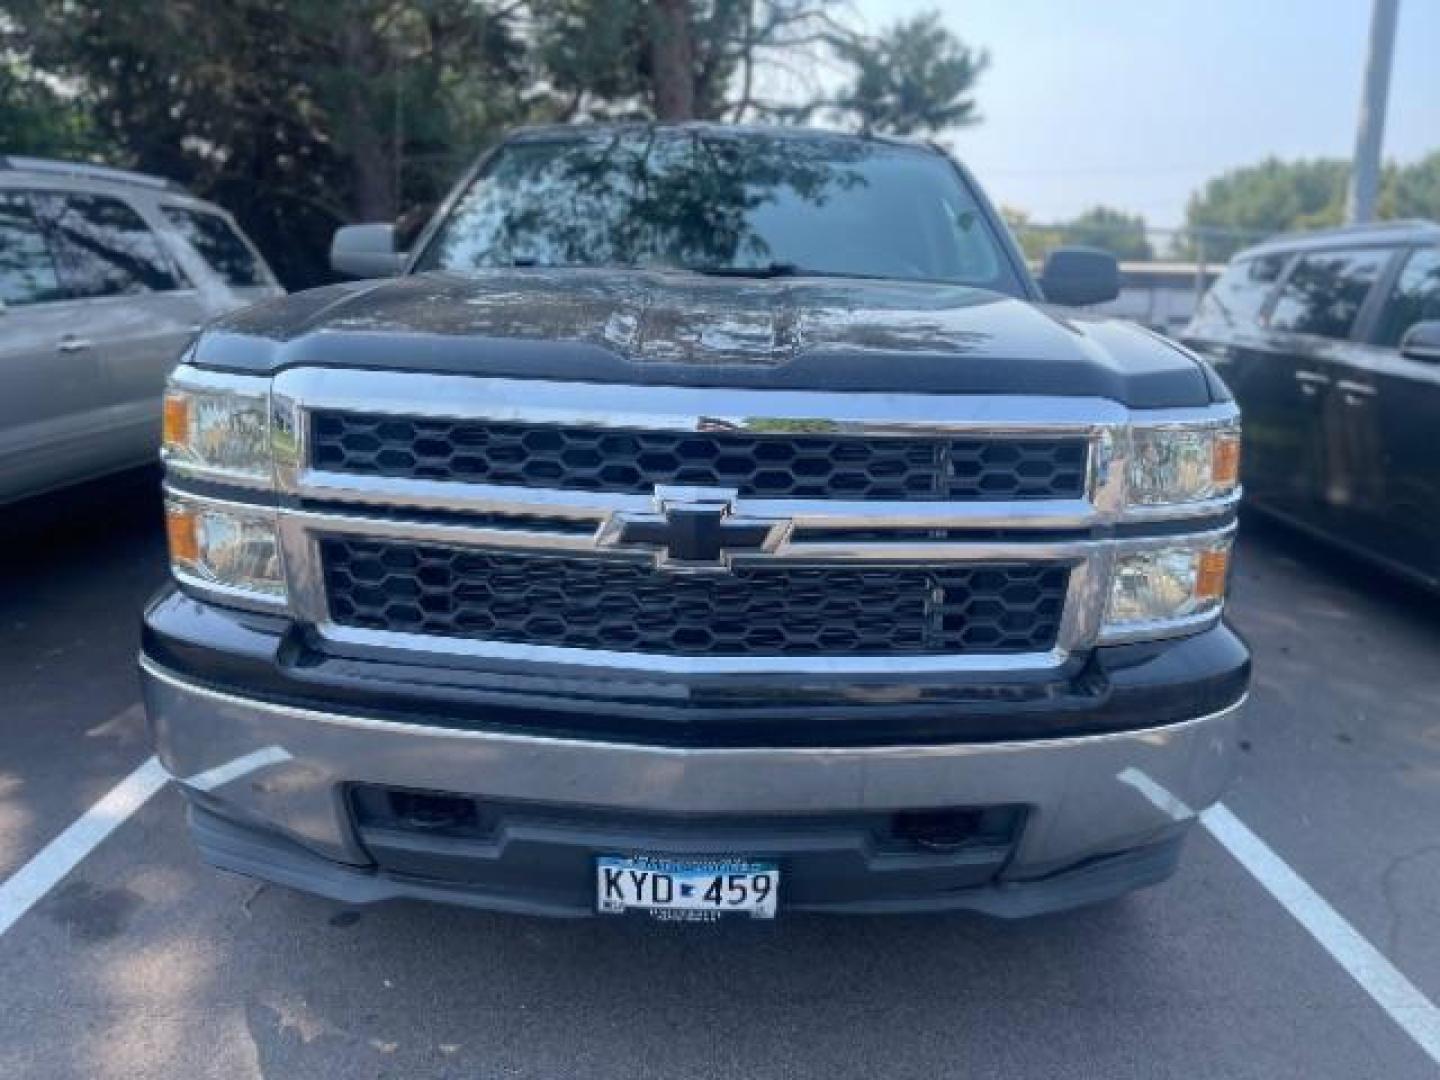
599 603
808 466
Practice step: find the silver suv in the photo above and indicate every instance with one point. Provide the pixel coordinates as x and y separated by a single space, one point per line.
105 276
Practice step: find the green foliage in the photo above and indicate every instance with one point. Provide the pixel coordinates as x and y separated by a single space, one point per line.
595 54
292 117
1036 241
608 58
1121 234
1285 196
36 119
1412 191
1273 196
915 78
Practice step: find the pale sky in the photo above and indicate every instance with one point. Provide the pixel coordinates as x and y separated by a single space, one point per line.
1135 103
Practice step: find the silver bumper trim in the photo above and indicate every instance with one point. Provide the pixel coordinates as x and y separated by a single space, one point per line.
1079 804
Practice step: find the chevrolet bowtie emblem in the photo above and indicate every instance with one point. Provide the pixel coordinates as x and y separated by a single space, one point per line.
693 529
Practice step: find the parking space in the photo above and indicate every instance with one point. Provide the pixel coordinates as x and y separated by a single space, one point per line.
78 567
140 962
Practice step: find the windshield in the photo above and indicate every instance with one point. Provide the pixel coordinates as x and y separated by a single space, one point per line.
723 203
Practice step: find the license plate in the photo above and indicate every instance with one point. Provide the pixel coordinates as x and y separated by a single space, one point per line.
686 890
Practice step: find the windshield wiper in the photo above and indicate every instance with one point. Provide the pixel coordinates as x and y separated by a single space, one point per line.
769 270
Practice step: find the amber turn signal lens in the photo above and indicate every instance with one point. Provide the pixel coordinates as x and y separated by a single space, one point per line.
1225 461
1210 574
177 419
182 530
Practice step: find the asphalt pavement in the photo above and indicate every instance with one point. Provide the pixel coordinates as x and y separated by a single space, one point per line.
140 962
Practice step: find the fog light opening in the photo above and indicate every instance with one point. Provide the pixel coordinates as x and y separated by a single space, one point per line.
938 830
432 813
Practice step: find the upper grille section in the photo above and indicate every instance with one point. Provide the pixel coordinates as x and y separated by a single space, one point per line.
770 610
779 466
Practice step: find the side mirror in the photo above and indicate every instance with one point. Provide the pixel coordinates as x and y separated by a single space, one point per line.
366 251
1422 341
1080 275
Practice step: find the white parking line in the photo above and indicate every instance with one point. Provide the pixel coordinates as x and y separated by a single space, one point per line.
28 885
57 858
1377 976
1398 996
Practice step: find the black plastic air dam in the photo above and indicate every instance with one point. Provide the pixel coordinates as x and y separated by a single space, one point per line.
229 845
1115 688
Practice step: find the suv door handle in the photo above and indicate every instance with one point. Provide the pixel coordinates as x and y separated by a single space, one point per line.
1354 393
71 343
1311 382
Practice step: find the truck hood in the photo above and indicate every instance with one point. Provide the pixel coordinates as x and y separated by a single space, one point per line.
677 328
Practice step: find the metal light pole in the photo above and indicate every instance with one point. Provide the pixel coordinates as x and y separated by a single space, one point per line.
1365 169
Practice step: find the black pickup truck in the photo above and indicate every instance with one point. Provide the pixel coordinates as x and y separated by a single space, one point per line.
704 520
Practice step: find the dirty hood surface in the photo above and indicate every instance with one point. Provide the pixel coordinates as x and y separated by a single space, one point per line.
678 328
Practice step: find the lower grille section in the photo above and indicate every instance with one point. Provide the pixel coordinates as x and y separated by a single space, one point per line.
600 603
544 856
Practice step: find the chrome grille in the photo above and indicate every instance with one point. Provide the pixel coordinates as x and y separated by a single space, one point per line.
775 466
627 606
826 551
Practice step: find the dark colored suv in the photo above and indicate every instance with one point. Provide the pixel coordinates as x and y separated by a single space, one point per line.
1331 344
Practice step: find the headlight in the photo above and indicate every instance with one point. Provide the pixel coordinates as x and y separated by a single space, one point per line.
1176 584
234 549
1180 464
220 432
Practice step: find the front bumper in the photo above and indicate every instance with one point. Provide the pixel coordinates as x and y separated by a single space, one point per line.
269 785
